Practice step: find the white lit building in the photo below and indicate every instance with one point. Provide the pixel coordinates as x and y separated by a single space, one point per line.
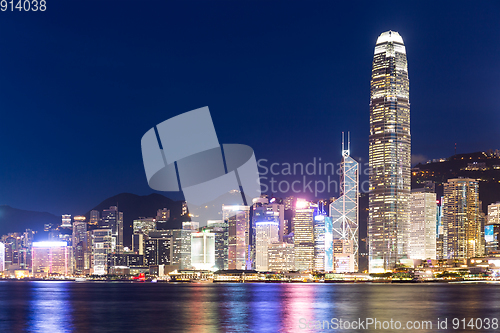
66 221
303 223
202 250
423 213
238 221
266 232
51 258
101 248
389 154
344 214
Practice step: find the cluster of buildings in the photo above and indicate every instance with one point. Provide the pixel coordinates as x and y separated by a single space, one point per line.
405 225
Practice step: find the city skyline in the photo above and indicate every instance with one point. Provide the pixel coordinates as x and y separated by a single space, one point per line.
90 99
126 205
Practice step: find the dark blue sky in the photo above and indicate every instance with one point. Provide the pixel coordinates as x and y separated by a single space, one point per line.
82 82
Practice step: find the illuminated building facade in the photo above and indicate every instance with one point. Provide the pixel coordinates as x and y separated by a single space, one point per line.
494 213
51 258
492 229
203 250
303 222
389 154
219 228
79 242
113 219
144 225
238 221
281 257
66 221
158 248
101 249
344 212
2 257
423 213
328 244
462 219
319 242
95 216
267 232
162 217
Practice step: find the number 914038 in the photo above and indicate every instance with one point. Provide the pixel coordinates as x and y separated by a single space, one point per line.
23 5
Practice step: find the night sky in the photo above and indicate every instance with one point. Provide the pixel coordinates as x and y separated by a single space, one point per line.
83 81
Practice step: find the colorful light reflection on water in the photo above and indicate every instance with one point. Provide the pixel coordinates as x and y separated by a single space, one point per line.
145 307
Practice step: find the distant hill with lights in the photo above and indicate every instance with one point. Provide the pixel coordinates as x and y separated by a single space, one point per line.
482 166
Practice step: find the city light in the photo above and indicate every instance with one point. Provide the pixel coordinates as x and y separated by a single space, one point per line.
48 244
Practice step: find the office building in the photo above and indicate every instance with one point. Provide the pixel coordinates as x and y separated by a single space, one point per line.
144 225
462 219
389 154
492 228
203 250
238 220
113 219
319 242
51 259
162 217
281 257
423 212
79 242
101 248
220 229
66 221
158 249
266 232
344 213
95 216
2 257
494 213
303 222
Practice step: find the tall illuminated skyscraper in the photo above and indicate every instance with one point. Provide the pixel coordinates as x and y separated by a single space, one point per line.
238 222
344 215
113 219
304 235
389 154
462 219
267 232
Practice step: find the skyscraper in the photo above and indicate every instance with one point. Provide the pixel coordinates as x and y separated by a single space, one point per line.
220 229
95 216
303 222
79 242
113 219
266 232
101 249
344 214
462 219
389 154
238 221
422 240
319 242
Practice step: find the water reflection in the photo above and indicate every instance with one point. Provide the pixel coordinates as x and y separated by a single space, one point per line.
50 308
123 307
